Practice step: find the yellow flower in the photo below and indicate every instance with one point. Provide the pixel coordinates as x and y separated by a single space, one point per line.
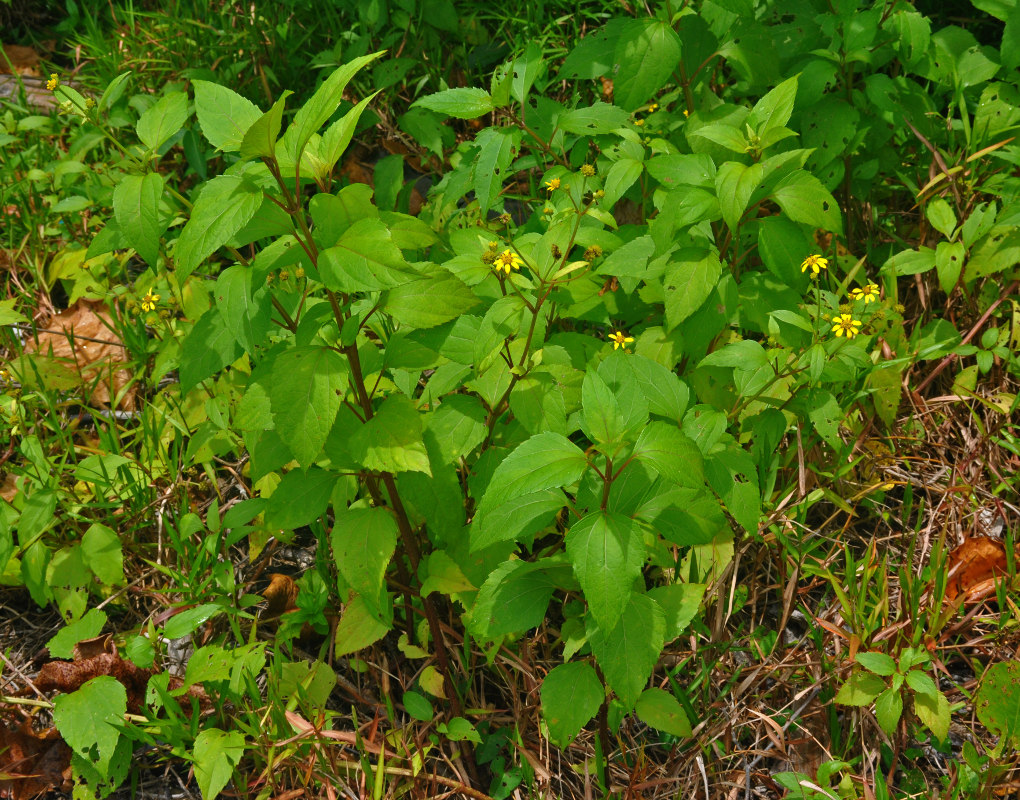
639 122
846 324
869 293
53 82
507 260
687 113
815 263
553 184
149 301
653 108
620 339
587 170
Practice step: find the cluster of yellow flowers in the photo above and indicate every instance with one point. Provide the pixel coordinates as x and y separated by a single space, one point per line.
844 324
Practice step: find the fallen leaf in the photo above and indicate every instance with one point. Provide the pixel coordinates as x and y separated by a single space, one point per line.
281 595
32 764
19 60
83 339
975 568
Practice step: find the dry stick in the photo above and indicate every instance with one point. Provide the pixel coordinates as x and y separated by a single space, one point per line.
945 362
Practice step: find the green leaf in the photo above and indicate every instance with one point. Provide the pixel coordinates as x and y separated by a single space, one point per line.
247 315
922 683
89 719
188 620
861 690
418 706
301 498
363 541
338 135
619 179
260 139
941 216
320 106
949 259
933 711
459 425
496 149
571 696
216 755
734 185
879 663
163 120
803 198
604 420
227 203
688 284
514 520
459 729
307 390
209 348
680 602
647 52
463 103
725 135
429 301
608 551
358 628
888 710
365 259
593 119
88 627
136 208
628 653
224 115
997 701
513 599
774 109
392 440
661 710
545 461
672 454
103 554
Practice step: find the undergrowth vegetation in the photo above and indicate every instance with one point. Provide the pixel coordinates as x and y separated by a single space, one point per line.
425 397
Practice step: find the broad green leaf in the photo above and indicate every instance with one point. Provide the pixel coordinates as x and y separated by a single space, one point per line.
604 420
571 696
114 91
246 314
803 198
731 472
949 259
921 683
163 120
933 711
103 554
358 628
734 185
365 259
496 150
301 498
418 706
216 754
879 663
89 626
516 519
320 106
661 710
363 541
608 552
672 454
224 115
208 348
513 599
459 729
861 689
226 204
888 710
628 653
306 392
537 403
680 602
941 216
667 396
392 440
545 461
463 103
997 702
338 135
688 284
136 208
774 109
619 179
647 52
429 300
260 139
724 134
187 621
459 425
593 119
89 719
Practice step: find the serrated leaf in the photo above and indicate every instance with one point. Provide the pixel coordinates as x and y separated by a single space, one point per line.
861 690
513 599
672 454
363 541
496 148
933 711
628 653
879 663
226 204
338 135
216 755
260 139
571 696
688 284
997 701
162 120
248 317
224 115
803 198
301 497
208 348
358 628
888 710
89 719
136 208
429 300
647 52
89 626
365 259
774 109
103 554
307 390
607 551
661 710
462 103
392 440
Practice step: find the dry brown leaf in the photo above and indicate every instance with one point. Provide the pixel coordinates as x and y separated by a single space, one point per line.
281 595
32 764
9 489
83 337
19 60
68 676
975 567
